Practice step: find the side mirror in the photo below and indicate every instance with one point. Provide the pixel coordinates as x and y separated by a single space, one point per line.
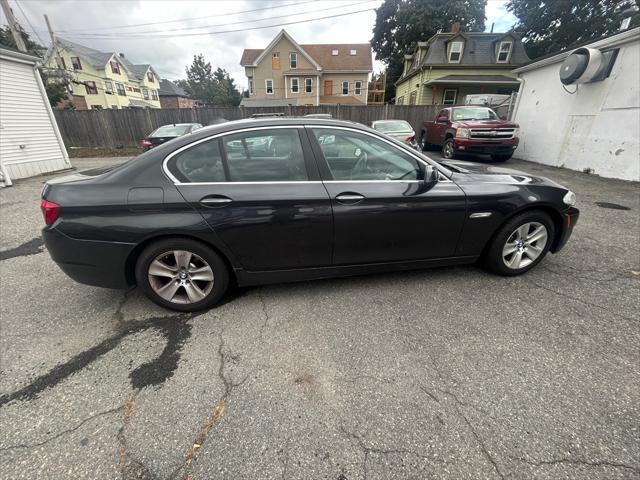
430 174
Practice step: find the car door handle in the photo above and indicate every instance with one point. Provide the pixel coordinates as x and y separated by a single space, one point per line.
213 201
349 198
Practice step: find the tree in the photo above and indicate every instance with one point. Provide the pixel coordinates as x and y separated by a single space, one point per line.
402 23
549 26
6 38
212 87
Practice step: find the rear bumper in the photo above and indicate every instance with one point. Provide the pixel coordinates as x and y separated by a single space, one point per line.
569 219
101 264
502 147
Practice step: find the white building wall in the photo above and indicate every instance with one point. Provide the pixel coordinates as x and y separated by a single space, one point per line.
596 128
29 140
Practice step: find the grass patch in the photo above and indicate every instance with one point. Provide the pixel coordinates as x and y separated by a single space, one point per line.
89 152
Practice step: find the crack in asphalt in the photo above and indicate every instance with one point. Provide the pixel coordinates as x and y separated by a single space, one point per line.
130 468
570 461
285 462
32 247
63 432
229 385
265 324
174 327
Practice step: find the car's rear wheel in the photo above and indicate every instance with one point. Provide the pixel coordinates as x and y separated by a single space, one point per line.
182 274
424 145
500 158
520 244
447 149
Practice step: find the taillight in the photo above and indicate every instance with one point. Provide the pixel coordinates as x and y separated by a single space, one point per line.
50 211
409 138
146 143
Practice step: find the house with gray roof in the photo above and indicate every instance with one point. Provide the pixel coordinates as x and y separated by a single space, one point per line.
101 80
174 96
448 66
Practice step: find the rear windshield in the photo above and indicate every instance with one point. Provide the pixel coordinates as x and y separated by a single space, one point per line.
388 127
474 113
170 131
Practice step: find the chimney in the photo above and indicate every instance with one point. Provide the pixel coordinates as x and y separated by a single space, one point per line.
121 55
455 28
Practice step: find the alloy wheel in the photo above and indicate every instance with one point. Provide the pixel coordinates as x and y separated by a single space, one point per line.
448 150
524 245
180 276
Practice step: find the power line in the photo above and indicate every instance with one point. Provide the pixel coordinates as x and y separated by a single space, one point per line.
29 22
145 33
130 25
219 32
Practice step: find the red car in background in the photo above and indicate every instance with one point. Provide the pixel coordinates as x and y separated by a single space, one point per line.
470 129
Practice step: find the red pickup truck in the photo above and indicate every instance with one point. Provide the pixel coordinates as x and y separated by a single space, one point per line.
470 129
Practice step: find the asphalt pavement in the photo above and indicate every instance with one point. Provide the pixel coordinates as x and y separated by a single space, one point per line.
449 373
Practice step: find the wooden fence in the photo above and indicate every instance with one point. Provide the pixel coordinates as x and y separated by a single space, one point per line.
125 128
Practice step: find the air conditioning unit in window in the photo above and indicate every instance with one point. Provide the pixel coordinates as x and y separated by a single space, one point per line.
586 65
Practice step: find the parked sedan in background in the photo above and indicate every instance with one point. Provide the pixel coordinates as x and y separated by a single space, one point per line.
399 129
282 199
166 133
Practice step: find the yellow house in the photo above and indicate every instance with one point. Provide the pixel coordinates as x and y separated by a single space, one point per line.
448 66
102 79
286 73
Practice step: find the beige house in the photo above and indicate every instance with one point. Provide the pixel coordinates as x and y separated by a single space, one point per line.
286 73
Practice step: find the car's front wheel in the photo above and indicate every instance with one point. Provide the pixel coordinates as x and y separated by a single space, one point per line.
447 149
182 274
520 244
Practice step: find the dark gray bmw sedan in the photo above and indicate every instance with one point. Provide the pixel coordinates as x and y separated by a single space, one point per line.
280 199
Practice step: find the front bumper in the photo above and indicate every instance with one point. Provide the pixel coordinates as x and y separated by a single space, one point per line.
569 219
101 264
502 147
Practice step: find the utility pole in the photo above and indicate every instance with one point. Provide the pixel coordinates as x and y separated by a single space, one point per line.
54 45
13 26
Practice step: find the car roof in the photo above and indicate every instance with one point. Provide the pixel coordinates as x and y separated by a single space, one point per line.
178 124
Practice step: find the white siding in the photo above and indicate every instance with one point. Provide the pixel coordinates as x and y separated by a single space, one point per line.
25 121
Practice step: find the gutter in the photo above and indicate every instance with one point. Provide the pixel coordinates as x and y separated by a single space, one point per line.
520 93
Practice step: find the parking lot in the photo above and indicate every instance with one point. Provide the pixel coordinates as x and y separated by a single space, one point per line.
444 373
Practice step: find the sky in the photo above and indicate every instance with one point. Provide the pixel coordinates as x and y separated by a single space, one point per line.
168 33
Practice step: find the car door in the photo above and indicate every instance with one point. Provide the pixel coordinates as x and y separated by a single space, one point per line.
259 190
440 126
383 210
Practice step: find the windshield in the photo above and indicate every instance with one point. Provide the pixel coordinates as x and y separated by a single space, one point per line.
171 131
474 113
397 126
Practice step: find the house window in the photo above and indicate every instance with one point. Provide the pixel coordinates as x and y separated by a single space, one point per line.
115 67
456 52
353 52
295 85
293 60
358 87
335 52
412 97
91 88
251 85
108 87
345 88
308 85
145 93
268 86
400 100
504 52
150 77
120 90
75 63
154 94
449 96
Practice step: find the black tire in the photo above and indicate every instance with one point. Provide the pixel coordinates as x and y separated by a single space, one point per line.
493 257
424 145
206 255
447 149
501 158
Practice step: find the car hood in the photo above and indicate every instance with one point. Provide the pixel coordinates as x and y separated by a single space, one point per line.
481 172
485 124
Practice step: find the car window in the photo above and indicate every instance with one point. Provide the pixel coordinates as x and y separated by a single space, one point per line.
170 131
265 156
355 156
393 126
200 163
474 113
